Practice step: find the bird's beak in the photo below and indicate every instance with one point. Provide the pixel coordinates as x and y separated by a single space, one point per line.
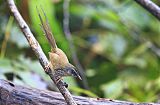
72 71
77 73
79 77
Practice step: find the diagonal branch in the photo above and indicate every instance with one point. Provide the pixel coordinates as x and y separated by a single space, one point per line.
38 51
151 7
71 45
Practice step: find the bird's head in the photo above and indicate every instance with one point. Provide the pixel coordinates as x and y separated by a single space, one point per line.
71 70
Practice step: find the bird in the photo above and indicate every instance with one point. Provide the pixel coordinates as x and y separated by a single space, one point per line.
58 61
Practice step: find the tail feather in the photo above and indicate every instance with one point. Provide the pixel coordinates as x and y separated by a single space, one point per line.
46 29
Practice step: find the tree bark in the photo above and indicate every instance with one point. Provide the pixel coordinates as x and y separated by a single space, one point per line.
12 94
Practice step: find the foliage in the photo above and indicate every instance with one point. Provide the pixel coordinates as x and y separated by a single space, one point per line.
117 43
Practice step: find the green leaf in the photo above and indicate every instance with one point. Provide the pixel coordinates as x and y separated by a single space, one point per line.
82 91
113 89
18 38
5 66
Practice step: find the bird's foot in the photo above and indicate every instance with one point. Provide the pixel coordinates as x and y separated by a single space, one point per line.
64 83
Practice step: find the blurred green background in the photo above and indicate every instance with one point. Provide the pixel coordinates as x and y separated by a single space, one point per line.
117 43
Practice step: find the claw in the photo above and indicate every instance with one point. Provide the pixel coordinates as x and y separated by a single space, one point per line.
65 84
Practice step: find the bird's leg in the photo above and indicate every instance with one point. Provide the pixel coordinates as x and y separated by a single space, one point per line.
58 75
58 79
64 83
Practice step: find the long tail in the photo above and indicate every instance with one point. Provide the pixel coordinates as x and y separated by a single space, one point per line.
46 29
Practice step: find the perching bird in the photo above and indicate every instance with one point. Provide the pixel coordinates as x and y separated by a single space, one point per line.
59 63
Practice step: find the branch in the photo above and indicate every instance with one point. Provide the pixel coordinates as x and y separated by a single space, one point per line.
38 51
70 40
151 7
12 94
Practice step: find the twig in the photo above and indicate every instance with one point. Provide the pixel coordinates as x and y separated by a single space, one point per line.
71 45
155 50
151 7
6 38
38 51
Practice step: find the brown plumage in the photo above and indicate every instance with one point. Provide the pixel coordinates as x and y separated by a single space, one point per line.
58 60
